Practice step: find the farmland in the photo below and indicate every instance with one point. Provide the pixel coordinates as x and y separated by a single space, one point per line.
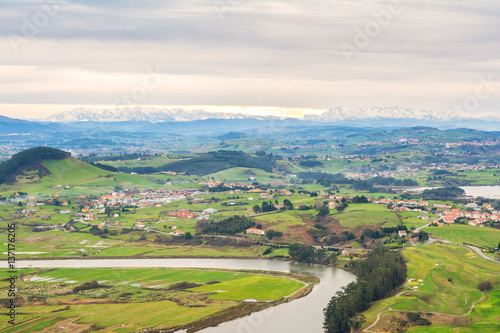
480 236
146 295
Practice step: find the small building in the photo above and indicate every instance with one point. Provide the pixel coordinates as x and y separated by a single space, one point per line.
140 225
402 233
254 231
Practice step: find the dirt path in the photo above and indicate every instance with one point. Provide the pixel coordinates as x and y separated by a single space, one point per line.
405 311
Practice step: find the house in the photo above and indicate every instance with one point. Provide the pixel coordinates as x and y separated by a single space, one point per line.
332 204
177 232
140 225
449 219
65 211
254 231
203 216
210 211
402 233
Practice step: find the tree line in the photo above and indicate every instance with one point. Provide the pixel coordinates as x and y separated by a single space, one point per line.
378 275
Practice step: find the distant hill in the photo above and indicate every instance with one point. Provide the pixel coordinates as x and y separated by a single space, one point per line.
232 135
11 125
211 162
29 159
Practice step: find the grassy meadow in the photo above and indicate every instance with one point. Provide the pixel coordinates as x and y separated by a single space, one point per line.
440 279
152 298
456 233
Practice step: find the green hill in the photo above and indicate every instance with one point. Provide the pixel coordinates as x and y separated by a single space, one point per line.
29 160
76 177
47 174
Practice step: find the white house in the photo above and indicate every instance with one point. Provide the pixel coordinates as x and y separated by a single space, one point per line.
254 231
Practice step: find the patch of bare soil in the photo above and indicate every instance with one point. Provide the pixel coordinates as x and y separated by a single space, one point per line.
332 224
302 232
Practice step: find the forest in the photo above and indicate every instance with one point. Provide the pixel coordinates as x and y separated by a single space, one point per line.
378 275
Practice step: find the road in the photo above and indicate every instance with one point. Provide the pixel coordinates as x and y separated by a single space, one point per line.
478 251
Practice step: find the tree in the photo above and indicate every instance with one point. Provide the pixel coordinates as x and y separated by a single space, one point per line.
108 210
422 236
188 236
256 209
485 286
322 212
340 208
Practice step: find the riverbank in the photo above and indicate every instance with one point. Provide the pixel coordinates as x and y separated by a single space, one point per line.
304 314
204 298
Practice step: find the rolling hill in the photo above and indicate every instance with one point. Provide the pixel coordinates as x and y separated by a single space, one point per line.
57 173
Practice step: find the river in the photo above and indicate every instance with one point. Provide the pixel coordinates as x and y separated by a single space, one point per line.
302 315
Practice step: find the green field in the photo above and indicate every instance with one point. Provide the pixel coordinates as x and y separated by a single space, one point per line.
149 297
440 277
456 233
238 175
357 215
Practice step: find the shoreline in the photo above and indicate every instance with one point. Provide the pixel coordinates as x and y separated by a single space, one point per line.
243 308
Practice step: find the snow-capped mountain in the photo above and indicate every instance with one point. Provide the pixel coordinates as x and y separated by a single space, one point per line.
154 115
390 112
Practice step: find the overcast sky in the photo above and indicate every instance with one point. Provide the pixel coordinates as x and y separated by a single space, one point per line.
299 54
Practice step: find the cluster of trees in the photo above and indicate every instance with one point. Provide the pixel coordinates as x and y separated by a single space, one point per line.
105 167
378 275
445 192
305 253
132 156
329 180
270 234
212 162
269 206
28 158
87 286
229 226
310 163
323 211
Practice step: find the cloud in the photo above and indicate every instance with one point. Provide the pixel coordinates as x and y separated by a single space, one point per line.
283 53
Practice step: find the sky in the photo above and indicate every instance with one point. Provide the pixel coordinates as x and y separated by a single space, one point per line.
285 57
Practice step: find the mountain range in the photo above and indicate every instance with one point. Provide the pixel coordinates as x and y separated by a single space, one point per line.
390 112
149 114
200 122
340 113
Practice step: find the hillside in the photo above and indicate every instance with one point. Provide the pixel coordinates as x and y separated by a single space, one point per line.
29 160
211 162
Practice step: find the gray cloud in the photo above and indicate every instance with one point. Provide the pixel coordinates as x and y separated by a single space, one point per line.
284 53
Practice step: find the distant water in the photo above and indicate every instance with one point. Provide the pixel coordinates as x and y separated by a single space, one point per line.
490 192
